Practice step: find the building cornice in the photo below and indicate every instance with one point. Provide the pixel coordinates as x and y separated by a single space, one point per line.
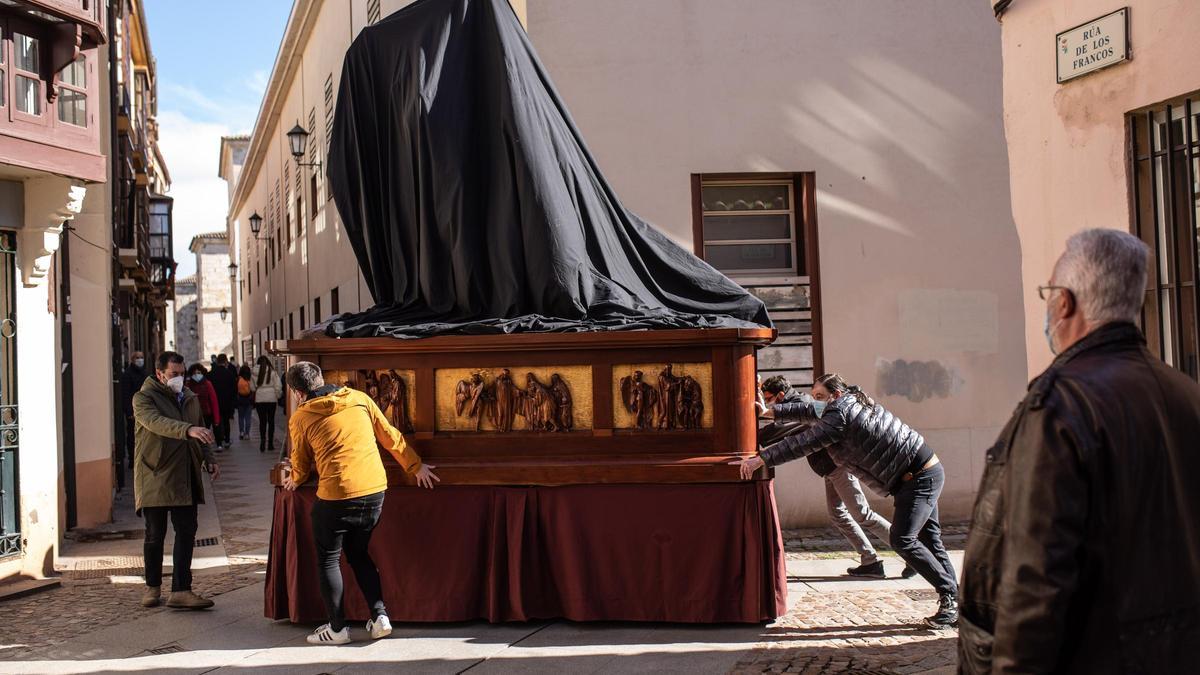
287 62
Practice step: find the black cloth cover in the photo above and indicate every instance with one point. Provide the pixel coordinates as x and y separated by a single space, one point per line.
473 205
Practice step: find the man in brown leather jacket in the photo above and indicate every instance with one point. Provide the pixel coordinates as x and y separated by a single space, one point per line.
1084 549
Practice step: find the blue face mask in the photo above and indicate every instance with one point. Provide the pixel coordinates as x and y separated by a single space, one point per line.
819 407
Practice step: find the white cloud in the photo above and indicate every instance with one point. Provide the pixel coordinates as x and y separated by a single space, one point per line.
190 148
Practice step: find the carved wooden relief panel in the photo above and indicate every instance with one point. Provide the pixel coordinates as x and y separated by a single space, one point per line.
662 396
393 391
542 399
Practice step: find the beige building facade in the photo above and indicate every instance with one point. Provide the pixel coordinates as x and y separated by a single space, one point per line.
844 160
212 315
1117 147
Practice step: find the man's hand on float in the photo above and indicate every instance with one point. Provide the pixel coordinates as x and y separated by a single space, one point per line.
426 477
289 484
747 466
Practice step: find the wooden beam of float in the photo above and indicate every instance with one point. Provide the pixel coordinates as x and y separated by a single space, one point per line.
667 406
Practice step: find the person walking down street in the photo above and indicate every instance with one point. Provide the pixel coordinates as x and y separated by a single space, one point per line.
267 392
1084 549
132 379
336 432
224 381
874 445
848 507
172 449
199 384
245 401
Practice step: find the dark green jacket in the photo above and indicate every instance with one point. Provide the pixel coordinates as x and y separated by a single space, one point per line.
167 466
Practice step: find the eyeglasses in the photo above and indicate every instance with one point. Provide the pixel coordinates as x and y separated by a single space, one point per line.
1044 290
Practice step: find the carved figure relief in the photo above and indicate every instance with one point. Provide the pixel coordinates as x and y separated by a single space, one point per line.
390 392
388 388
641 399
676 403
562 396
544 408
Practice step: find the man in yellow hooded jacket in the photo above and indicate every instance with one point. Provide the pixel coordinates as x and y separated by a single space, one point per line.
337 431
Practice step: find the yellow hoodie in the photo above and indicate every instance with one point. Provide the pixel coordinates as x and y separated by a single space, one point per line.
338 433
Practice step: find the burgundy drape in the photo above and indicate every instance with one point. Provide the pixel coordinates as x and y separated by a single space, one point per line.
681 553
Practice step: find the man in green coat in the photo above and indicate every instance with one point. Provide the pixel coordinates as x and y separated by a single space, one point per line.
172 447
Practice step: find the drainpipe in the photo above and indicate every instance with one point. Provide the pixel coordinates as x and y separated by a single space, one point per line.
68 379
117 359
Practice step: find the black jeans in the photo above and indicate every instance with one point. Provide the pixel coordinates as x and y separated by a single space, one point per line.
222 434
347 523
183 519
266 423
916 533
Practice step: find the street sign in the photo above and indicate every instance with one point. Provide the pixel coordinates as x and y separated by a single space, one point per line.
1097 44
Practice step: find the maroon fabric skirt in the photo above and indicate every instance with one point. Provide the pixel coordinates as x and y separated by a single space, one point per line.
697 553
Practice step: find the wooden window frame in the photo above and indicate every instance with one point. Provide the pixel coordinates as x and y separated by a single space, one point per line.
85 91
804 205
14 26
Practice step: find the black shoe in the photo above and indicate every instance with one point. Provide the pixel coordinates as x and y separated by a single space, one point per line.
874 570
947 614
908 572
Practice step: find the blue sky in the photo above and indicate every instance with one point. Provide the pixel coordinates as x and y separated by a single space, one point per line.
214 58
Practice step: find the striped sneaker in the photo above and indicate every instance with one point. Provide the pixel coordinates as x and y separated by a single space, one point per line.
380 627
325 635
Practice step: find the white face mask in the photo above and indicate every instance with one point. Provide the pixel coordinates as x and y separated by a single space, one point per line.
139 362
176 383
819 407
197 377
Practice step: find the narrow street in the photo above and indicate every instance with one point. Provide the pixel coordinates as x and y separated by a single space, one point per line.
93 623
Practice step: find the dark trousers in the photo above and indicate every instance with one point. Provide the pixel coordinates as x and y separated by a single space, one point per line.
183 519
223 434
916 533
129 440
266 423
347 524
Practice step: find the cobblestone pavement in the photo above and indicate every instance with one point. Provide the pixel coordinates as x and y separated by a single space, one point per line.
107 590
869 632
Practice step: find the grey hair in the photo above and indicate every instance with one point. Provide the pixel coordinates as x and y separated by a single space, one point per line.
305 377
1106 271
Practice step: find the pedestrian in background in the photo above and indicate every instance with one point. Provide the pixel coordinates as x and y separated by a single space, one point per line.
224 382
848 507
267 392
245 401
337 431
132 379
172 450
1084 549
891 457
199 385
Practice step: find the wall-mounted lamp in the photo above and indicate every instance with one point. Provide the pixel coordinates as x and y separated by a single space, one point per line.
298 142
233 271
224 313
256 226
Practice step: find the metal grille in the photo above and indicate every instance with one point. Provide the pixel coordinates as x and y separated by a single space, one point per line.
1165 161
206 541
372 11
166 649
10 512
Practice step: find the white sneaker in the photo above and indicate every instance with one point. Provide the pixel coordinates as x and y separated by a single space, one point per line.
380 627
325 635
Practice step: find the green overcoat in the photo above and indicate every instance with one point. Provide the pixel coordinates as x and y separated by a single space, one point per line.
167 464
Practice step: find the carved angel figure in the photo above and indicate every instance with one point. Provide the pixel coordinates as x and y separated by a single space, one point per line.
470 399
562 396
640 399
